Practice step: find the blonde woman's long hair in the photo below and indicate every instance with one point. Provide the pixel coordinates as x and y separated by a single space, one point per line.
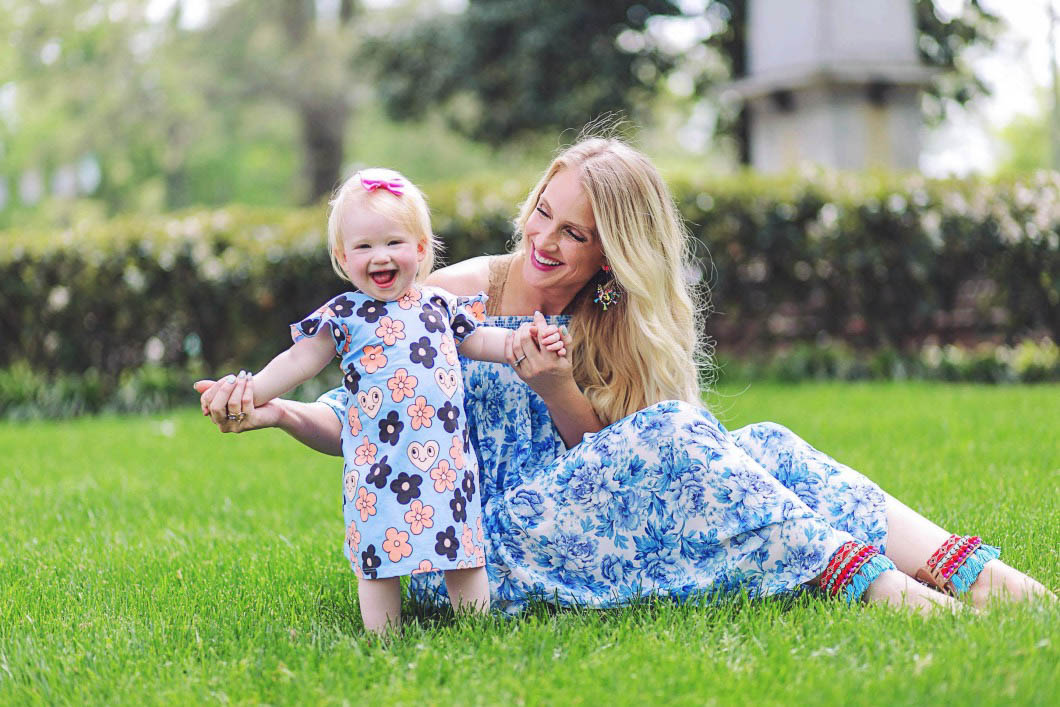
648 347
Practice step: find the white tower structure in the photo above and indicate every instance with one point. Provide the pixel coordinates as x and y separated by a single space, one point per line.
833 82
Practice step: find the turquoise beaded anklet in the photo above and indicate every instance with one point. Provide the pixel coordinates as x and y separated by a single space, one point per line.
853 567
958 562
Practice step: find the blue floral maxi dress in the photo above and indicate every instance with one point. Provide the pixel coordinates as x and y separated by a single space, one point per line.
664 501
409 487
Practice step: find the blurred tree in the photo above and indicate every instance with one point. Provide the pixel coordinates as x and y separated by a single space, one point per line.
1025 141
507 67
172 113
945 39
290 52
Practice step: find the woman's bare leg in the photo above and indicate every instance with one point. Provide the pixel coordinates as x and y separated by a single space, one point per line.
469 590
896 589
912 539
380 601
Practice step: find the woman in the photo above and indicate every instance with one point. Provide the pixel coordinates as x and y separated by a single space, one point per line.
603 478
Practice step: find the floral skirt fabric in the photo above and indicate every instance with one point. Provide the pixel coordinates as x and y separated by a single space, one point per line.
665 501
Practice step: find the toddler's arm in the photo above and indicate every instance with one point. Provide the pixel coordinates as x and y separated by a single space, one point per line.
486 343
306 358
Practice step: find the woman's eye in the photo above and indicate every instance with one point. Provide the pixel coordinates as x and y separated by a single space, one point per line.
541 211
575 235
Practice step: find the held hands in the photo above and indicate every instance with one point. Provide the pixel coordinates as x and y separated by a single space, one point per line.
538 353
229 403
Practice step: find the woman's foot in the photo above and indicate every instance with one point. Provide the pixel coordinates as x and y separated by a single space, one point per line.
897 589
1006 583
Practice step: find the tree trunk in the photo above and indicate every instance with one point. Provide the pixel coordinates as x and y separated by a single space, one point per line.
323 125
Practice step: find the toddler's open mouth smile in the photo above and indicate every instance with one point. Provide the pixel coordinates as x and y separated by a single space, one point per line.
383 278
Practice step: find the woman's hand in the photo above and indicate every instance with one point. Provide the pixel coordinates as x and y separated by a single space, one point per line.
548 373
229 402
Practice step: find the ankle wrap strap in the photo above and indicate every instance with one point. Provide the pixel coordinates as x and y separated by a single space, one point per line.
956 564
852 568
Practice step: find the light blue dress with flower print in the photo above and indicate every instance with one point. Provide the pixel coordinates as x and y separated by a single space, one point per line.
410 498
665 501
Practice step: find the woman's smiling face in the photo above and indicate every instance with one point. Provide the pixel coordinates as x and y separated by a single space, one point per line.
562 247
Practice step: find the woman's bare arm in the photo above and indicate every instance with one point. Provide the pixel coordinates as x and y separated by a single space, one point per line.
313 424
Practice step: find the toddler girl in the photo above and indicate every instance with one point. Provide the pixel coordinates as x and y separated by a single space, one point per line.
410 497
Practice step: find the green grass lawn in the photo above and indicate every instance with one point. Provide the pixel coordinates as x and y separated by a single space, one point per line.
152 560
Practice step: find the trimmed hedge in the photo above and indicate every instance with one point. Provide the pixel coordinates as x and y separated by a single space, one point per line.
872 261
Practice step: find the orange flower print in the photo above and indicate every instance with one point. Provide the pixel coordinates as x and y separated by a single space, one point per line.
410 299
443 476
365 503
343 338
402 385
478 528
448 349
390 331
467 541
461 565
419 517
353 537
365 453
420 413
425 566
396 545
373 358
478 310
457 452
480 557
355 420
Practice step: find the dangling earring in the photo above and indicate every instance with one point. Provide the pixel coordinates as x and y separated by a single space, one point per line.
607 293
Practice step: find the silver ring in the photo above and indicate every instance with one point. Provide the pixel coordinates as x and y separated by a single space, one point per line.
519 360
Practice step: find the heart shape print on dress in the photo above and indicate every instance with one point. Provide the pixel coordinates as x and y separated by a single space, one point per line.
423 455
447 380
350 481
370 401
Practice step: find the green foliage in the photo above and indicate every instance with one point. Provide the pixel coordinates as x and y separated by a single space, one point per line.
869 261
526 66
1027 362
942 42
151 560
877 260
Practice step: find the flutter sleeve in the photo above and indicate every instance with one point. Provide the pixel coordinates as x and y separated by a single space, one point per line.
467 314
330 316
338 400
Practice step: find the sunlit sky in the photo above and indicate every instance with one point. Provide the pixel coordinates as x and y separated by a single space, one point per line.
1016 70
966 143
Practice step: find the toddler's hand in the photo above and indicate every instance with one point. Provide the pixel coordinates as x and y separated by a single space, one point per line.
554 338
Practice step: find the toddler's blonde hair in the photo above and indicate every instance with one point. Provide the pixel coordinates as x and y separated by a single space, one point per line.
409 210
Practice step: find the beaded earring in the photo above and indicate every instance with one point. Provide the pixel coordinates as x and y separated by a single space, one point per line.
607 293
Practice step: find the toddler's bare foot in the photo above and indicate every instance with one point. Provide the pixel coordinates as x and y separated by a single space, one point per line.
999 580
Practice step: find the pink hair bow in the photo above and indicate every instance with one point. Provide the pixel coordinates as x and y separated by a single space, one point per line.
394 186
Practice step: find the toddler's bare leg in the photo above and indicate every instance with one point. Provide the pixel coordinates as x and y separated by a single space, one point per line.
469 590
380 601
